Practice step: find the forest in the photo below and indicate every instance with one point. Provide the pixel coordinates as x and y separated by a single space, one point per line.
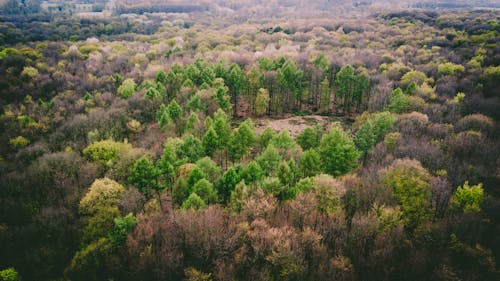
250 140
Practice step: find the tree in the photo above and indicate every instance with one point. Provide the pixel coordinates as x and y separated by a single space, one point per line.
467 199
266 137
338 153
175 113
228 182
262 102
310 137
195 103
222 98
162 116
252 173
223 129
241 140
325 96
398 101
194 176
191 149
192 122
410 184
103 192
127 88
236 81
9 274
193 202
209 168
205 190
210 142
269 159
310 163
144 176
345 83
123 225
373 130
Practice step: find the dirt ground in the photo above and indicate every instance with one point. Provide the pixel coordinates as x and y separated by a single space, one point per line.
295 125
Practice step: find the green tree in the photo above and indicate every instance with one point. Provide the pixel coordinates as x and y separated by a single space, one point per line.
228 182
236 81
127 88
467 199
266 137
103 192
398 101
210 142
345 81
338 153
162 116
194 176
222 98
175 113
192 122
325 96
123 225
144 176
374 130
261 102
193 202
195 103
252 173
269 159
310 163
191 149
9 274
410 184
205 190
310 137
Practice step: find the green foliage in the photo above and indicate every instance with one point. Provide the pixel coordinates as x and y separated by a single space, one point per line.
90 262
373 130
193 202
262 102
252 173
450 68
205 190
228 182
325 95
266 137
351 87
191 149
127 88
195 103
144 176
9 274
310 163
410 184
102 193
413 76
467 199
123 225
269 159
338 153
174 111
398 102
194 176
222 128
99 224
19 142
310 137
283 140
106 151
241 140
210 142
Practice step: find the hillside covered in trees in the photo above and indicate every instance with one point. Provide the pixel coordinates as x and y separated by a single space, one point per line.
250 140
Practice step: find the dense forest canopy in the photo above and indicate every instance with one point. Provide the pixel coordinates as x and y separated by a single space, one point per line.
249 140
